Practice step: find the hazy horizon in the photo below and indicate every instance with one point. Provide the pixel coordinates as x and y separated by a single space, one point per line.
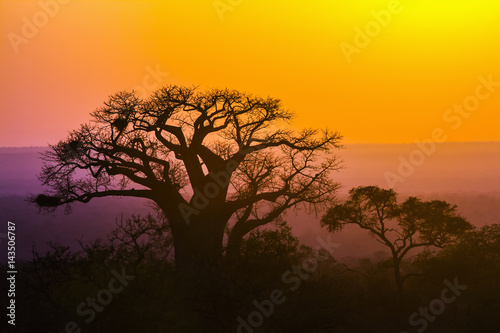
465 174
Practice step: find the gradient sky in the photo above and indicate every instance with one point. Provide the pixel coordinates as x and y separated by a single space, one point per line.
395 90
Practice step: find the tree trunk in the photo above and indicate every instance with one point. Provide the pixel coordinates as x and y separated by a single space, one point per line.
199 280
198 246
398 279
233 247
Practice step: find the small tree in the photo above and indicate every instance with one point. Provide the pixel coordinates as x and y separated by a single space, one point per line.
401 227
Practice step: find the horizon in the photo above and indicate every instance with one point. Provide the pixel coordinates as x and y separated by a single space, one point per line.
476 194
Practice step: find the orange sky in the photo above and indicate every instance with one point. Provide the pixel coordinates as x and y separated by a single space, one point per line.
420 61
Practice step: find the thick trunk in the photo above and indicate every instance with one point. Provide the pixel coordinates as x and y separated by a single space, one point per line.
197 242
200 249
233 246
198 246
398 279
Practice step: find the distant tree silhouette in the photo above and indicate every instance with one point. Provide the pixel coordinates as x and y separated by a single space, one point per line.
400 227
210 160
475 256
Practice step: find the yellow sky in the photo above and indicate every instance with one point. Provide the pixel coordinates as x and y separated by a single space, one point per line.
420 58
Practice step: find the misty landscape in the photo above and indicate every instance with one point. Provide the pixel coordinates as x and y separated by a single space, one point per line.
464 174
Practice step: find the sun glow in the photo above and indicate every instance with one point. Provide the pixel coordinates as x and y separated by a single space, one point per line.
424 58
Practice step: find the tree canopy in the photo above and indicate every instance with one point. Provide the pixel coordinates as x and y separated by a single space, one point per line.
399 226
209 159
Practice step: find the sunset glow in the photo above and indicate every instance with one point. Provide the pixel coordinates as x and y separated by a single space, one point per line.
420 61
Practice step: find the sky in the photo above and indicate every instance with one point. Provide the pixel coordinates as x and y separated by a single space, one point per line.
376 71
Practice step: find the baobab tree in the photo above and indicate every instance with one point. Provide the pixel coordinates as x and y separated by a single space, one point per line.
213 161
401 227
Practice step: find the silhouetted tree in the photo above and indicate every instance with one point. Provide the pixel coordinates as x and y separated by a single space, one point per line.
400 227
208 159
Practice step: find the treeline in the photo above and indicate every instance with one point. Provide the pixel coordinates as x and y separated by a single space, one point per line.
128 283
